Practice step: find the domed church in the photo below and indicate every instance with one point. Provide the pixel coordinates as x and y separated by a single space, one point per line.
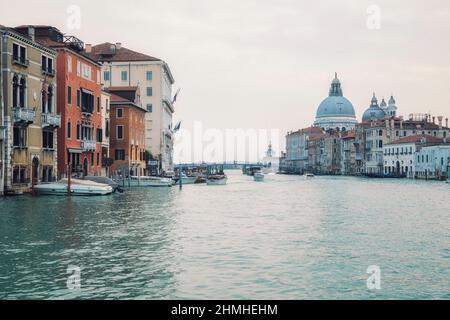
335 112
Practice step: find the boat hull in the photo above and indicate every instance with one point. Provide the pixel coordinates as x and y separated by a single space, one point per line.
258 177
75 190
216 182
154 183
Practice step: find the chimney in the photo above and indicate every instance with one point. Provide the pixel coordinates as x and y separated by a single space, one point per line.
118 45
31 33
434 120
446 122
440 122
88 48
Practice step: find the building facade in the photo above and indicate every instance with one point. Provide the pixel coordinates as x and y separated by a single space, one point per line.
124 67
29 115
106 123
127 139
79 103
433 162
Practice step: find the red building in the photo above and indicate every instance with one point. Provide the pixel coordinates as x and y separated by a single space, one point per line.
78 102
127 139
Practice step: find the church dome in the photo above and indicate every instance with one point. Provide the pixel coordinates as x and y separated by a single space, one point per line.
335 111
374 112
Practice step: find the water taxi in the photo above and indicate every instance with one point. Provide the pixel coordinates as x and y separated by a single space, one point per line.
309 175
146 181
77 188
258 176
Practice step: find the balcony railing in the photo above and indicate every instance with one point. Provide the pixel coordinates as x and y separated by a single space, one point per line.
51 120
48 72
88 145
23 115
20 61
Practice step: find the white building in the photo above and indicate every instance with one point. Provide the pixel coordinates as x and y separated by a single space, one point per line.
106 98
124 67
432 162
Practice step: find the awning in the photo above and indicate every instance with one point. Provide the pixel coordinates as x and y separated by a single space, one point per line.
87 91
74 150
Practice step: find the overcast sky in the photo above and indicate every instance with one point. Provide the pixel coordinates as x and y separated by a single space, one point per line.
268 64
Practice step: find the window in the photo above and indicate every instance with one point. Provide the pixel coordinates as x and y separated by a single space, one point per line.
20 174
149 75
87 102
20 137
106 75
149 91
47 139
119 132
69 130
78 68
22 89
69 95
380 144
92 158
124 76
98 76
98 159
50 99
19 54
98 104
99 135
78 131
78 98
119 154
69 64
149 107
107 128
47 64
15 94
119 113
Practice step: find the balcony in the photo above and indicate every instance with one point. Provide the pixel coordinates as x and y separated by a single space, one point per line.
48 72
51 120
20 61
24 116
88 145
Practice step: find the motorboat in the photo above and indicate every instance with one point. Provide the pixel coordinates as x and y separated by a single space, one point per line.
77 188
309 175
258 176
105 180
185 179
216 180
146 181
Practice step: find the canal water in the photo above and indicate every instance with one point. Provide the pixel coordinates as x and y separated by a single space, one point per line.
285 238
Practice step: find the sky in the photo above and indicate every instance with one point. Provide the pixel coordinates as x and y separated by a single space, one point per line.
256 64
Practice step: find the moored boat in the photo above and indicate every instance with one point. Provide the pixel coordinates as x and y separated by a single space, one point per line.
146 181
309 175
185 179
77 188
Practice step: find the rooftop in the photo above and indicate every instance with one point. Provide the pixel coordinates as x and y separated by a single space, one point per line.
115 52
423 138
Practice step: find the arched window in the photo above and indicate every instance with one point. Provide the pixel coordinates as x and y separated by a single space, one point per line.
15 93
49 99
22 88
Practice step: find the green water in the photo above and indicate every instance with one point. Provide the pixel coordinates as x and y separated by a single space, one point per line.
286 238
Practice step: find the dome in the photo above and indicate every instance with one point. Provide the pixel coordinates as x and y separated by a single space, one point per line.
374 112
335 106
335 111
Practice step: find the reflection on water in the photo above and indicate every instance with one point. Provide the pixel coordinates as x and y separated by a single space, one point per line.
284 238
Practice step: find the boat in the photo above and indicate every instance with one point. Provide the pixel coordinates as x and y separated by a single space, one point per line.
185 179
216 180
77 188
309 175
258 176
146 181
105 180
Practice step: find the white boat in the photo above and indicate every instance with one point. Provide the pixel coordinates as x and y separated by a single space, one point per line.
258 176
216 180
186 179
77 188
309 175
146 181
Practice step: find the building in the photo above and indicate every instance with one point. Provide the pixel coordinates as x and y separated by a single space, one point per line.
399 156
335 112
127 140
433 162
29 117
348 154
124 67
106 157
78 102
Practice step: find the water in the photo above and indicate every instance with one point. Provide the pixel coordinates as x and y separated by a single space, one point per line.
286 238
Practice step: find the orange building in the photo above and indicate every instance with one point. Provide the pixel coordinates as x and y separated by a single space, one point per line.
127 138
79 103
